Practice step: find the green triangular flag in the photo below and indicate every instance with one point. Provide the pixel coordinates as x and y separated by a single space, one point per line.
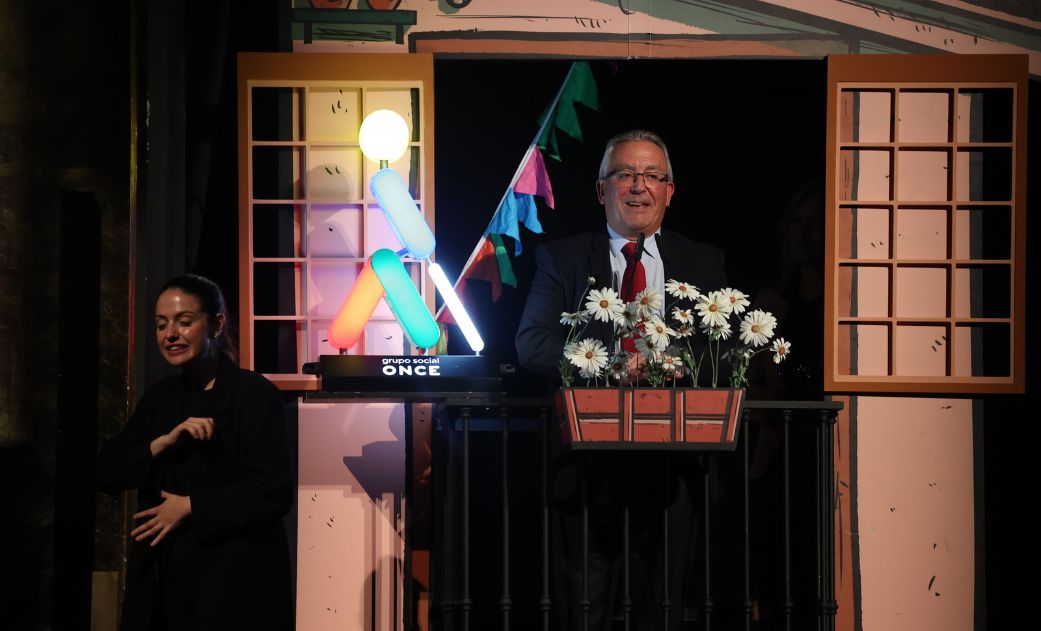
506 274
580 88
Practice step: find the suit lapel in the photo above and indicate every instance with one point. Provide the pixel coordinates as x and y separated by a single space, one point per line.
600 260
600 269
667 265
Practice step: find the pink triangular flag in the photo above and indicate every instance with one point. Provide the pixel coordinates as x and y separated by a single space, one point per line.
534 180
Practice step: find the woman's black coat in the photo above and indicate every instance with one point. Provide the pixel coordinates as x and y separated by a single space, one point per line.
231 553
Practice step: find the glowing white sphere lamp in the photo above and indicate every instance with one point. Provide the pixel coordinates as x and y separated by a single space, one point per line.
383 137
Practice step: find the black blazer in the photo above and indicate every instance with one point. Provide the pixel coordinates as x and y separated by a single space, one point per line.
233 547
563 268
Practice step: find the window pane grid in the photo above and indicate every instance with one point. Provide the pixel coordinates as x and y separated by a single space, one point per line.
923 234
309 221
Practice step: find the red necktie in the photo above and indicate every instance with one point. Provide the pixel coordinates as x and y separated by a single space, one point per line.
634 280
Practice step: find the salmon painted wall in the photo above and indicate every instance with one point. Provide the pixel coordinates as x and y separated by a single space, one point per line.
915 513
349 515
667 28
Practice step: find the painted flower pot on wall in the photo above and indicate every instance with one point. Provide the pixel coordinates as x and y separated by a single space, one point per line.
650 418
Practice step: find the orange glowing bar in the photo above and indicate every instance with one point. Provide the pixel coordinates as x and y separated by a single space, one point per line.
357 308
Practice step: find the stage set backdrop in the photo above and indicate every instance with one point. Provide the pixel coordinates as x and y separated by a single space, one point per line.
924 255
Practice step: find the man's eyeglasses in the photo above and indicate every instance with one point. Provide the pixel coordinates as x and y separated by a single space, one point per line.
625 177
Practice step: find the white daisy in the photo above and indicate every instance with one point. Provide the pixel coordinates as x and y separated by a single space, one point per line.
781 349
738 300
657 333
646 348
588 355
714 308
650 301
604 304
717 331
683 316
684 330
585 374
757 328
671 363
627 320
569 350
618 368
573 319
679 289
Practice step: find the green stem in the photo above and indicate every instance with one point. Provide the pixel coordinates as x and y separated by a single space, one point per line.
713 351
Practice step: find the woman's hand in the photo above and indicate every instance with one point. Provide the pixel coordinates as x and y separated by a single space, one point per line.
197 428
164 517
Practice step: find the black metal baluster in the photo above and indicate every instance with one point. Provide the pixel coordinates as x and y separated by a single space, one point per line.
819 514
709 605
666 604
405 506
448 529
789 606
828 606
465 602
746 440
505 602
544 601
585 547
627 599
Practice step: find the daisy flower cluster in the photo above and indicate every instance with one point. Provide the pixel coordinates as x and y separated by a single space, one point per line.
663 345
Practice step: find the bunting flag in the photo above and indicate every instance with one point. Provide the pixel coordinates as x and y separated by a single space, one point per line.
533 179
490 264
503 259
490 260
518 204
580 87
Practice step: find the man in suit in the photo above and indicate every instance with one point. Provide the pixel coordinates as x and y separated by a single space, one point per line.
635 186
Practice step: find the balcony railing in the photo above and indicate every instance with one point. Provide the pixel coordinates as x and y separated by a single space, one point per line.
763 536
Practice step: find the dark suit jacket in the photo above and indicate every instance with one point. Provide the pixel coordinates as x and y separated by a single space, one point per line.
231 554
563 268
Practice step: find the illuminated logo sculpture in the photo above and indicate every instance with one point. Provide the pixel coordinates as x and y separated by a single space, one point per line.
384 137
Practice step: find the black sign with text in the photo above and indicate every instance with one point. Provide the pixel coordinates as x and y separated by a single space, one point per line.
415 373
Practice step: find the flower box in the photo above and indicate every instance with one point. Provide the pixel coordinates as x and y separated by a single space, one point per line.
650 418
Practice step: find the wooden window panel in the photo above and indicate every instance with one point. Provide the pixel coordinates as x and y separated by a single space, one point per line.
307 226
925 224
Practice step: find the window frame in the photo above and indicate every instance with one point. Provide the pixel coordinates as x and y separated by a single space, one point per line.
369 71
889 72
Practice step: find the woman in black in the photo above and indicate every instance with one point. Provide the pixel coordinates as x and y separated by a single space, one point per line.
206 451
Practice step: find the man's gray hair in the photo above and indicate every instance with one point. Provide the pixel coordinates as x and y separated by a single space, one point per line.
635 135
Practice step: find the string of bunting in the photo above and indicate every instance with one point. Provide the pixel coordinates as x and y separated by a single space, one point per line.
490 259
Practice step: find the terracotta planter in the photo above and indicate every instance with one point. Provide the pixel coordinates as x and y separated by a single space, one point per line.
649 418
